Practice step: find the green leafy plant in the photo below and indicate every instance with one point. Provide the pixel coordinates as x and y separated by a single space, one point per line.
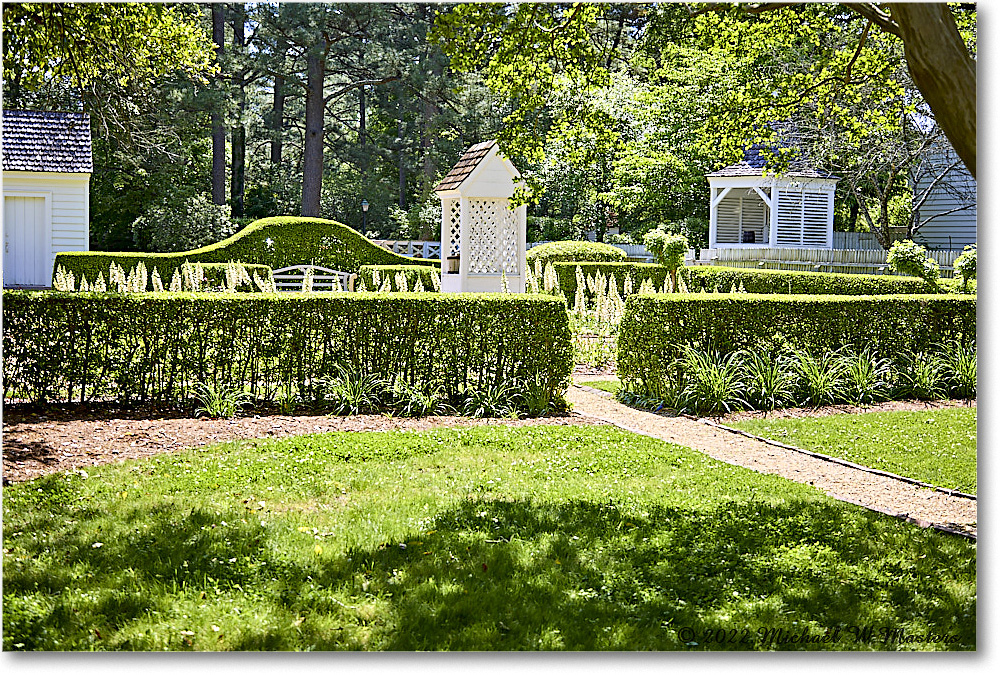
770 380
866 377
668 250
537 396
490 400
965 265
414 401
909 258
922 375
351 392
715 382
219 400
820 377
960 364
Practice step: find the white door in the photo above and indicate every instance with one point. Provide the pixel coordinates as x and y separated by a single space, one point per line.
25 258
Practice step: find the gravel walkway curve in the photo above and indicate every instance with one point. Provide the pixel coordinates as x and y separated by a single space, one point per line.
887 495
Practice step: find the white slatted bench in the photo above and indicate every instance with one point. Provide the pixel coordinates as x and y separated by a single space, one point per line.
290 278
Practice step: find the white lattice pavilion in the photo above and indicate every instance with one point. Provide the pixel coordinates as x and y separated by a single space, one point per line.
751 210
482 237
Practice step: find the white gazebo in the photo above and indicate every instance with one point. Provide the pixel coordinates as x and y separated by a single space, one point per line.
482 237
753 210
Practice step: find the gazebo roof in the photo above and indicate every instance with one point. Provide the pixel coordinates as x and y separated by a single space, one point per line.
754 163
465 166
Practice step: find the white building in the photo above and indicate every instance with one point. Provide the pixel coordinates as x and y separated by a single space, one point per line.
47 164
753 210
482 238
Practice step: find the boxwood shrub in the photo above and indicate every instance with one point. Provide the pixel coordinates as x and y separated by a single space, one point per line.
722 279
574 251
366 274
703 278
655 328
157 346
276 242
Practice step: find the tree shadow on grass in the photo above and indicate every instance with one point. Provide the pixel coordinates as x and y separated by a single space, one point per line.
508 575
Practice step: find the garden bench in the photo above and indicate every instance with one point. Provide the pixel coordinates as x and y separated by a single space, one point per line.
290 278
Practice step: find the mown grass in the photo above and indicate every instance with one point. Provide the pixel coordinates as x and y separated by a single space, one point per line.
488 538
936 446
604 385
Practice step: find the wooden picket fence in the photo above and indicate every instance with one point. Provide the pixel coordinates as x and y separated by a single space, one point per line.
820 260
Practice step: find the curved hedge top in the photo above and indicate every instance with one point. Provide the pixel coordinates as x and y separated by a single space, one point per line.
276 242
575 251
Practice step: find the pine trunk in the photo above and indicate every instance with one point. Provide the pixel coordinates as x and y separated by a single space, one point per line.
218 128
312 162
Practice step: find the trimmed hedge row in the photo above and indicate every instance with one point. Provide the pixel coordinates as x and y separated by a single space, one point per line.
214 275
276 242
157 347
568 251
413 273
703 278
655 328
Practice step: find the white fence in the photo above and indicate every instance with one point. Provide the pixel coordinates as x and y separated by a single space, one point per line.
819 259
853 252
414 249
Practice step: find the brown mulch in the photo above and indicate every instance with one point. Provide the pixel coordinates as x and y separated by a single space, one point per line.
888 406
39 441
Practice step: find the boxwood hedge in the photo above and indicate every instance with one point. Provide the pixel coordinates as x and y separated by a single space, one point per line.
655 328
276 242
574 251
367 273
722 279
156 347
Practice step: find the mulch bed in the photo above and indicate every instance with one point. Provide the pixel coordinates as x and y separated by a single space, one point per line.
42 440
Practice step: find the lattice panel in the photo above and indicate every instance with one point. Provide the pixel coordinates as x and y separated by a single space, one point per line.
492 237
454 211
508 239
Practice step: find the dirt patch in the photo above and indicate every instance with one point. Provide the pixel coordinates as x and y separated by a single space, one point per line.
39 441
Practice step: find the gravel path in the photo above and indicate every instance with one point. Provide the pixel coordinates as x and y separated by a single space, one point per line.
887 495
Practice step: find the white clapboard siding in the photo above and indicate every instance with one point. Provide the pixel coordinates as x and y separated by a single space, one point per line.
67 227
946 230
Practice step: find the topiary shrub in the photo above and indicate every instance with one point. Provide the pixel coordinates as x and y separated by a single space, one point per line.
276 242
575 251
668 250
965 264
910 259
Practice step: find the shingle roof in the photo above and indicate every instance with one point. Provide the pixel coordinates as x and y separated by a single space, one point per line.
57 142
465 166
755 160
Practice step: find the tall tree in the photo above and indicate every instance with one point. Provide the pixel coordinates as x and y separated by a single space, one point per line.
218 128
239 132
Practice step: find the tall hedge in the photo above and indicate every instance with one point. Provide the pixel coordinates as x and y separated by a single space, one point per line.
703 278
655 328
155 347
276 242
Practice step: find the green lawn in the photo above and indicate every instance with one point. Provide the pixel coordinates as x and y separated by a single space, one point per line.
604 385
936 447
486 538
